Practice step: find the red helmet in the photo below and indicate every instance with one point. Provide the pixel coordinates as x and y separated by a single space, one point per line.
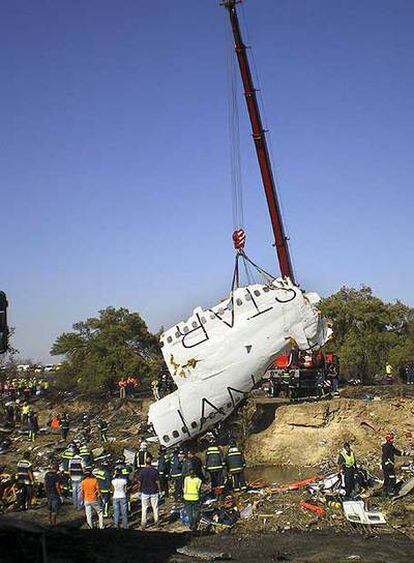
389 437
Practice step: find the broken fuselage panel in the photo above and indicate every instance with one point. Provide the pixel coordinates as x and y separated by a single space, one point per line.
218 355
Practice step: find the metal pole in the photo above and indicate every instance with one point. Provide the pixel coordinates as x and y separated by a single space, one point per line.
259 137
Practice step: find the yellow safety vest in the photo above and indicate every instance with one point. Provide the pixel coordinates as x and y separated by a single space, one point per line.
192 488
389 369
349 459
25 409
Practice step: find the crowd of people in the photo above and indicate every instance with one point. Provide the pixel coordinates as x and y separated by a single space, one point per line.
130 386
19 387
104 489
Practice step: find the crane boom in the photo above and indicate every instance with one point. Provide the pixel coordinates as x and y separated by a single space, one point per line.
259 137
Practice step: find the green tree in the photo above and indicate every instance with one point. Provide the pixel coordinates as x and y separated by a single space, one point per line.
102 349
368 332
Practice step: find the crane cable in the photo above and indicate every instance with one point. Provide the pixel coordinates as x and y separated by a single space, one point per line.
234 136
239 235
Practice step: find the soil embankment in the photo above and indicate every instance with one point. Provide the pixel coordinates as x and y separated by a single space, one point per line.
312 433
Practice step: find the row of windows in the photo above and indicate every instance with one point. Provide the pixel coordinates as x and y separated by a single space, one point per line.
220 312
194 425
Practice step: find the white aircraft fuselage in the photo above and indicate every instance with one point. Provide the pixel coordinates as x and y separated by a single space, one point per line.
218 355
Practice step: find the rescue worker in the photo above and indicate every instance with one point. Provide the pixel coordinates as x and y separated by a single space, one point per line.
86 455
176 474
155 389
25 479
389 373
67 455
389 451
76 471
142 455
214 466
121 467
191 495
104 478
103 429
347 469
163 466
235 464
33 425
64 425
191 461
25 413
86 426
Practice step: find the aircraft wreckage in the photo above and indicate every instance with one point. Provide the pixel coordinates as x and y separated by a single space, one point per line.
219 354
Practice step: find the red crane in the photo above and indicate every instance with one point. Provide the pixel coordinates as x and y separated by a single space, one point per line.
259 137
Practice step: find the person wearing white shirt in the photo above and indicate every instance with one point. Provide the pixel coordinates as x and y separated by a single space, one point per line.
119 499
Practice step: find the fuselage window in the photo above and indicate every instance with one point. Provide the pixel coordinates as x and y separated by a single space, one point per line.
257 292
266 289
169 339
175 434
166 438
177 334
194 424
186 329
229 405
194 324
161 343
203 320
212 315
248 296
183 429
239 301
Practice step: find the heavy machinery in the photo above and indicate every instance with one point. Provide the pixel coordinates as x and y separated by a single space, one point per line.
4 329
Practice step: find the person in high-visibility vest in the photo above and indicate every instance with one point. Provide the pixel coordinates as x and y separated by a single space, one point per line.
25 413
389 373
191 495
347 468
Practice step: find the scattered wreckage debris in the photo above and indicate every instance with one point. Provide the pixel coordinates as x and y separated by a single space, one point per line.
313 508
298 484
356 513
406 488
204 553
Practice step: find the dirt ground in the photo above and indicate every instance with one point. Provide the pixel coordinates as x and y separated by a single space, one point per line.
304 440
95 546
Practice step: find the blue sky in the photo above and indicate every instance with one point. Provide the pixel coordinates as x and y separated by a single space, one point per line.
114 157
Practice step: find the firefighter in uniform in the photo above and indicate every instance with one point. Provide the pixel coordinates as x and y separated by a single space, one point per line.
64 425
103 429
347 469
103 476
86 456
214 465
235 464
389 451
67 455
121 467
86 426
176 473
163 466
25 479
75 471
